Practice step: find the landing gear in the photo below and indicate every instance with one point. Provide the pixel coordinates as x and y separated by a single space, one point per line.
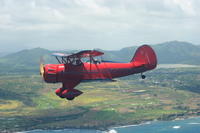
69 94
143 76
70 98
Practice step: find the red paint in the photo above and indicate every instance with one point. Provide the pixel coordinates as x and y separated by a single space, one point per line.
71 75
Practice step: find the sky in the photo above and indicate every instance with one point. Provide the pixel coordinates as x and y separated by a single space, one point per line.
89 24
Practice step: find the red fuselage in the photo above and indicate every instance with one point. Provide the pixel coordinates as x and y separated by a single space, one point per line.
71 75
103 71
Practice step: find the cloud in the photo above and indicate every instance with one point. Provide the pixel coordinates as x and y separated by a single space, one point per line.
187 6
108 24
94 6
94 14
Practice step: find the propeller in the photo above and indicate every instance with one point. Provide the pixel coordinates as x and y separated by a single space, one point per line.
44 88
42 66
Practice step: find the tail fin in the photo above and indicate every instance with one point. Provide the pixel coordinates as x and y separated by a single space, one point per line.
146 56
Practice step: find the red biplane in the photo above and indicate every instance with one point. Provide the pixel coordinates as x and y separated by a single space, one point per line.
72 69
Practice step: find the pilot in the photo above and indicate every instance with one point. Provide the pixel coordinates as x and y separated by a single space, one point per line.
78 62
96 61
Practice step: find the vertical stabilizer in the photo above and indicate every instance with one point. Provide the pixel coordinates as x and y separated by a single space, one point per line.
146 56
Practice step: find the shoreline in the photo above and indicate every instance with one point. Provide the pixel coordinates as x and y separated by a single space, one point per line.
150 122
190 115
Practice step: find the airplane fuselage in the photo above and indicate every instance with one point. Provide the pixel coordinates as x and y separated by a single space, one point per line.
73 71
89 71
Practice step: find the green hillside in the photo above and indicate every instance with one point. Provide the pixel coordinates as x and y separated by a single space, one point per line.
177 53
25 60
27 103
173 52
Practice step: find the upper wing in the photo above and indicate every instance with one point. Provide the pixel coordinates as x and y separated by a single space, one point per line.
87 53
60 55
81 54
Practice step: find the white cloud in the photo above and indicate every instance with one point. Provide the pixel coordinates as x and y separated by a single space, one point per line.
94 6
98 23
187 6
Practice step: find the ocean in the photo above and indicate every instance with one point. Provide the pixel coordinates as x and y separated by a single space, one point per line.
191 125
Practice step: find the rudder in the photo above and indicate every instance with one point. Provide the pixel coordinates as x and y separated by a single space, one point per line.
146 56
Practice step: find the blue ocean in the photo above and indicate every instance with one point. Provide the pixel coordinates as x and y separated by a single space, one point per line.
191 125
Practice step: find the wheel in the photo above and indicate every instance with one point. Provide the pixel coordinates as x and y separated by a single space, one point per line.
70 98
143 76
61 96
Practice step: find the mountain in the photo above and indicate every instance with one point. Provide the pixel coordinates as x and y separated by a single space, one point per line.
3 53
28 56
174 52
25 60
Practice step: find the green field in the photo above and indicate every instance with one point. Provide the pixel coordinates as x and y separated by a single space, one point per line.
26 102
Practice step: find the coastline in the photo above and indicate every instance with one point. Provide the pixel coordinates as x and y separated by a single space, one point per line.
171 117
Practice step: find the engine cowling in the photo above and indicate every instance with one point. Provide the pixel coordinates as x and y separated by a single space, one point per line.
52 72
